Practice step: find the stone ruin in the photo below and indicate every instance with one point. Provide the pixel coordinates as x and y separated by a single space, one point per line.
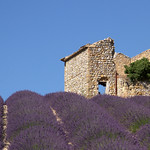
98 64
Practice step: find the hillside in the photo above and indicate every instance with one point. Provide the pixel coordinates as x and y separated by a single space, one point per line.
67 121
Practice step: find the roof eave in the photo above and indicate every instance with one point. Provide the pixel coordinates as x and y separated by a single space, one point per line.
75 53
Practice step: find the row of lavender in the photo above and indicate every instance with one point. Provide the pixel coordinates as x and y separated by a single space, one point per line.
133 113
32 125
93 126
1 123
103 122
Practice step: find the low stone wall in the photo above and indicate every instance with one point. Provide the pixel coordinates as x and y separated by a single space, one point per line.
128 89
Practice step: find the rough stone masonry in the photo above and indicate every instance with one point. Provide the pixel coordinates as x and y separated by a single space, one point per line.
98 64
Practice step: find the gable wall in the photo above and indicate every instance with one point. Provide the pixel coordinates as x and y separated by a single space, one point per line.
101 67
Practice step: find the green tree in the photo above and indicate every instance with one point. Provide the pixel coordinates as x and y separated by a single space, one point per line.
138 70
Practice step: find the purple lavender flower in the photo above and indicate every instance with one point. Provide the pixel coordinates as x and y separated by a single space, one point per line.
39 138
144 135
142 100
106 143
103 122
126 111
27 109
83 119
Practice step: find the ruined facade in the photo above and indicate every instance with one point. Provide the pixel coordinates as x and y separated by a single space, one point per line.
98 64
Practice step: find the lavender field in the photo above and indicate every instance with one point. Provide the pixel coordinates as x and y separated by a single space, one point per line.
67 121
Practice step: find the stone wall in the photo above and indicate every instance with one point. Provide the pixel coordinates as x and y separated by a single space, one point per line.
76 72
101 67
145 54
121 60
124 85
6 143
85 70
97 63
128 89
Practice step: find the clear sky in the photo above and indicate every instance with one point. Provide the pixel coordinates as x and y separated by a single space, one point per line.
36 34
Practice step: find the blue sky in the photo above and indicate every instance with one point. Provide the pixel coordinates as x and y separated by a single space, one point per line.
36 34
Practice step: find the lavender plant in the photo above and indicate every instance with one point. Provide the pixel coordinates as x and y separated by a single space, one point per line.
126 111
106 143
144 135
103 122
1 122
39 138
142 100
84 120
27 109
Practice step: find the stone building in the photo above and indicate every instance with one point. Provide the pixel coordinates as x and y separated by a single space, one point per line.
98 64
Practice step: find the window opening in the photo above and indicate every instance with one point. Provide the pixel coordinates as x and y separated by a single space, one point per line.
101 87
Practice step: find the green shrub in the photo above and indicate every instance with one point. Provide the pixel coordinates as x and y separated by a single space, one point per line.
138 70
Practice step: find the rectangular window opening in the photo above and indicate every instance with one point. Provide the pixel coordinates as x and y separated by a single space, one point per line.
101 87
